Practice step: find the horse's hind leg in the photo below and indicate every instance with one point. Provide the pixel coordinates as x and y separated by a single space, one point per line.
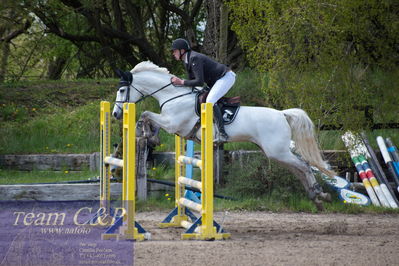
303 171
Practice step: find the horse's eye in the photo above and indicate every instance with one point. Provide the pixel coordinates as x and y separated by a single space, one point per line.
122 90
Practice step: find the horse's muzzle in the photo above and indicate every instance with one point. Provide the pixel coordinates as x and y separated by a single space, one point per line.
116 115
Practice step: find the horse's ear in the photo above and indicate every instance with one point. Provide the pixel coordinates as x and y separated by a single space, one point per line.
119 73
129 77
125 76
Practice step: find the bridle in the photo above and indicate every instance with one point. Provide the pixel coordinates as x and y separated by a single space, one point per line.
128 84
127 97
124 83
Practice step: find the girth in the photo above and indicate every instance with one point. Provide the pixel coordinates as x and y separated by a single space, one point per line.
228 105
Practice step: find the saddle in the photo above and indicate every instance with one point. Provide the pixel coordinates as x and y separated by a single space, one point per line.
228 105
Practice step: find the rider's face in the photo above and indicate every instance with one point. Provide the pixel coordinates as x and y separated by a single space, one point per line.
177 53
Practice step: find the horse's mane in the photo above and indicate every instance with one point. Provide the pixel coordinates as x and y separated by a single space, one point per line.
148 66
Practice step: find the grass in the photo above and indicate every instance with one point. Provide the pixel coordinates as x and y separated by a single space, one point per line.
161 203
163 172
274 202
21 101
69 130
295 203
331 140
34 116
9 177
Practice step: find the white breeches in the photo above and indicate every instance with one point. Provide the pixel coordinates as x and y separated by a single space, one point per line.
221 87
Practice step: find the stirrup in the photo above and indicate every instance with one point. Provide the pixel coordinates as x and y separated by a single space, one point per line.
224 135
221 137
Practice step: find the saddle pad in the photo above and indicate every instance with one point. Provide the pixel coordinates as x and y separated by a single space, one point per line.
229 109
229 113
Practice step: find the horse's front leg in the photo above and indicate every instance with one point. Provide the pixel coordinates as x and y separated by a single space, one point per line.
157 121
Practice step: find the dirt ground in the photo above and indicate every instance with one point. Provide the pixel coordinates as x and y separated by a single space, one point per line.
265 238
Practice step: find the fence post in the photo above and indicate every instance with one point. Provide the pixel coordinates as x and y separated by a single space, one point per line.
142 154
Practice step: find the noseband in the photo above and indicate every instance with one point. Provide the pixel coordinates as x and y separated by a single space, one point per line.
124 83
128 84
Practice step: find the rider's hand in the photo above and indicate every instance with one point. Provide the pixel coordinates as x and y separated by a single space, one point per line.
177 81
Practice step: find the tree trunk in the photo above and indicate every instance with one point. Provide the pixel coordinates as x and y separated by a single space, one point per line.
5 53
55 68
220 42
223 33
211 38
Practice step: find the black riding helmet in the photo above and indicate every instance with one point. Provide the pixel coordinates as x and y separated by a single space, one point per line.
179 44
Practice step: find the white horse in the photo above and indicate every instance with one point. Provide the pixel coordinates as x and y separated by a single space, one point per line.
270 129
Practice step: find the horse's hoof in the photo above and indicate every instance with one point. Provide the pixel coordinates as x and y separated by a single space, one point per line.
140 128
319 204
219 138
325 196
154 141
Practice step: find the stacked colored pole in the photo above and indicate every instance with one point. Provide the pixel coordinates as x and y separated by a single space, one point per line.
381 193
365 180
359 148
353 144
388 160
393 151
379 173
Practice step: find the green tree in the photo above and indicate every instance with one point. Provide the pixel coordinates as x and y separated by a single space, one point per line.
325 57
91 38
13 23
113 34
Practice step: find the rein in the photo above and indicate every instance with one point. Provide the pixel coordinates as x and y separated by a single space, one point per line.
171 99
143 97
127 98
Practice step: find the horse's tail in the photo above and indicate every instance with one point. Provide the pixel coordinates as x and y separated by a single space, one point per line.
303 134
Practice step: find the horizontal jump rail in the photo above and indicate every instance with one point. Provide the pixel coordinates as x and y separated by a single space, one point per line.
190 204
187 225
113 161
190 160
190 182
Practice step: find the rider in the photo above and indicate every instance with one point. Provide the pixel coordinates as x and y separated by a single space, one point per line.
202 69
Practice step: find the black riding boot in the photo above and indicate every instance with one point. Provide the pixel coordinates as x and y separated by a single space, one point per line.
217 113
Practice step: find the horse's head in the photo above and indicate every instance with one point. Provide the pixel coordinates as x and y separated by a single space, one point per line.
149 80
125 94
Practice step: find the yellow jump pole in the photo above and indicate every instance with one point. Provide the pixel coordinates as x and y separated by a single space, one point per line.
105 148
125 227
203 228
207 228
128 230
178 215
179 190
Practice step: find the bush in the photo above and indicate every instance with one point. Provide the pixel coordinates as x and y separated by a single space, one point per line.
254 176
321 59
248 86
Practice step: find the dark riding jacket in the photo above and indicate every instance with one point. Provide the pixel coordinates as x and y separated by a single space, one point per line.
202 69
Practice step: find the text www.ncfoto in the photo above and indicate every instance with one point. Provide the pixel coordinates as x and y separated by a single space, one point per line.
64 231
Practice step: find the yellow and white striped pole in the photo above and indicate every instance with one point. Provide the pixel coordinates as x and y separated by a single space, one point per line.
126 227
128 230
105 147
